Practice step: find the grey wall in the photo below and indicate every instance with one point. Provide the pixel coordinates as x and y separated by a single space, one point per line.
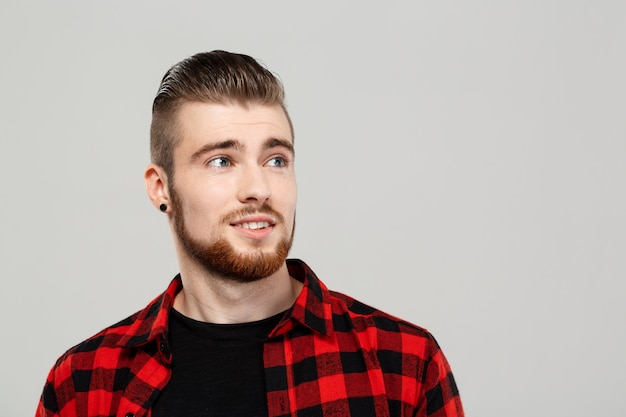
461 164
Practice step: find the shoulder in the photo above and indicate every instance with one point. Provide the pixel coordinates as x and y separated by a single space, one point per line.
393 353
384 330
73 371
408 355
116 341
78 362
107 363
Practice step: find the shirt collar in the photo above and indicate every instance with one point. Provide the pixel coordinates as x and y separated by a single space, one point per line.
312 309
151 323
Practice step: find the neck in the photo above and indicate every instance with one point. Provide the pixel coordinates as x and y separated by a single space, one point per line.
215 299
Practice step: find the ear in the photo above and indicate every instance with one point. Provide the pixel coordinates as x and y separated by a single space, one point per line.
157 186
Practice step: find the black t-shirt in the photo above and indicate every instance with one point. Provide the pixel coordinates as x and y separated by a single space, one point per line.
217 369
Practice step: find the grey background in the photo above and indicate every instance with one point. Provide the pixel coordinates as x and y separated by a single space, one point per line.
460 164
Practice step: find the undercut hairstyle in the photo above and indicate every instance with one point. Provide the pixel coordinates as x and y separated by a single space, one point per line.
218 77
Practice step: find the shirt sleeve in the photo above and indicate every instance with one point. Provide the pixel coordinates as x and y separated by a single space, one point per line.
47 406
58 396
440 396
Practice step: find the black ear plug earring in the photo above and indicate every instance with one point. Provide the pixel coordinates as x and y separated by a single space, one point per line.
163 207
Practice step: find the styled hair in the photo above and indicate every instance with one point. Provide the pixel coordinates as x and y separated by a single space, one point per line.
218 77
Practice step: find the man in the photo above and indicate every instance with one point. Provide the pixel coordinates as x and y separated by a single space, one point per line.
241 331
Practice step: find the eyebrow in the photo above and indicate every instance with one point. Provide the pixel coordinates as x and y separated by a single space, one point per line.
226 144
270 143
275 143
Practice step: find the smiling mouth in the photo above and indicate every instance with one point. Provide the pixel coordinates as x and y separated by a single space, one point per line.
254 225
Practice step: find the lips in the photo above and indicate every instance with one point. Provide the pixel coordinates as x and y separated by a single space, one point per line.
254 225
254 222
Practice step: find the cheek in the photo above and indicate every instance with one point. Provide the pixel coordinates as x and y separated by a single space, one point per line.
292 207
290 194
200 209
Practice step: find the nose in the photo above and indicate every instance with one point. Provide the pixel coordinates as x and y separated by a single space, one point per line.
253 186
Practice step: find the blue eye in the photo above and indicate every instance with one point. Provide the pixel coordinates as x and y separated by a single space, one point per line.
219 162
277 161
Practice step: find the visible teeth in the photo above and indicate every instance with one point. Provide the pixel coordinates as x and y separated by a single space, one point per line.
255 225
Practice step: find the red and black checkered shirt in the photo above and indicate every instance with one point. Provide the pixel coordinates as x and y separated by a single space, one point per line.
329 356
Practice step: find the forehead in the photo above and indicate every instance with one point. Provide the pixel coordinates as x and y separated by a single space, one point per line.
199 123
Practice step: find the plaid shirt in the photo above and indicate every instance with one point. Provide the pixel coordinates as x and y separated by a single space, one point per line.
329 356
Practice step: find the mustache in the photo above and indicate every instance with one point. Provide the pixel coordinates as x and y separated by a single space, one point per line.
251 211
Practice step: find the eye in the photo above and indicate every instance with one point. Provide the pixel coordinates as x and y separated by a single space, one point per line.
278 162
219 162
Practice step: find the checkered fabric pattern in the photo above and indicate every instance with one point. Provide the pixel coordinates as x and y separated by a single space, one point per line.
329 356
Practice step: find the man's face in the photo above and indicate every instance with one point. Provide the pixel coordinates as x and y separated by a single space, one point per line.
234 192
